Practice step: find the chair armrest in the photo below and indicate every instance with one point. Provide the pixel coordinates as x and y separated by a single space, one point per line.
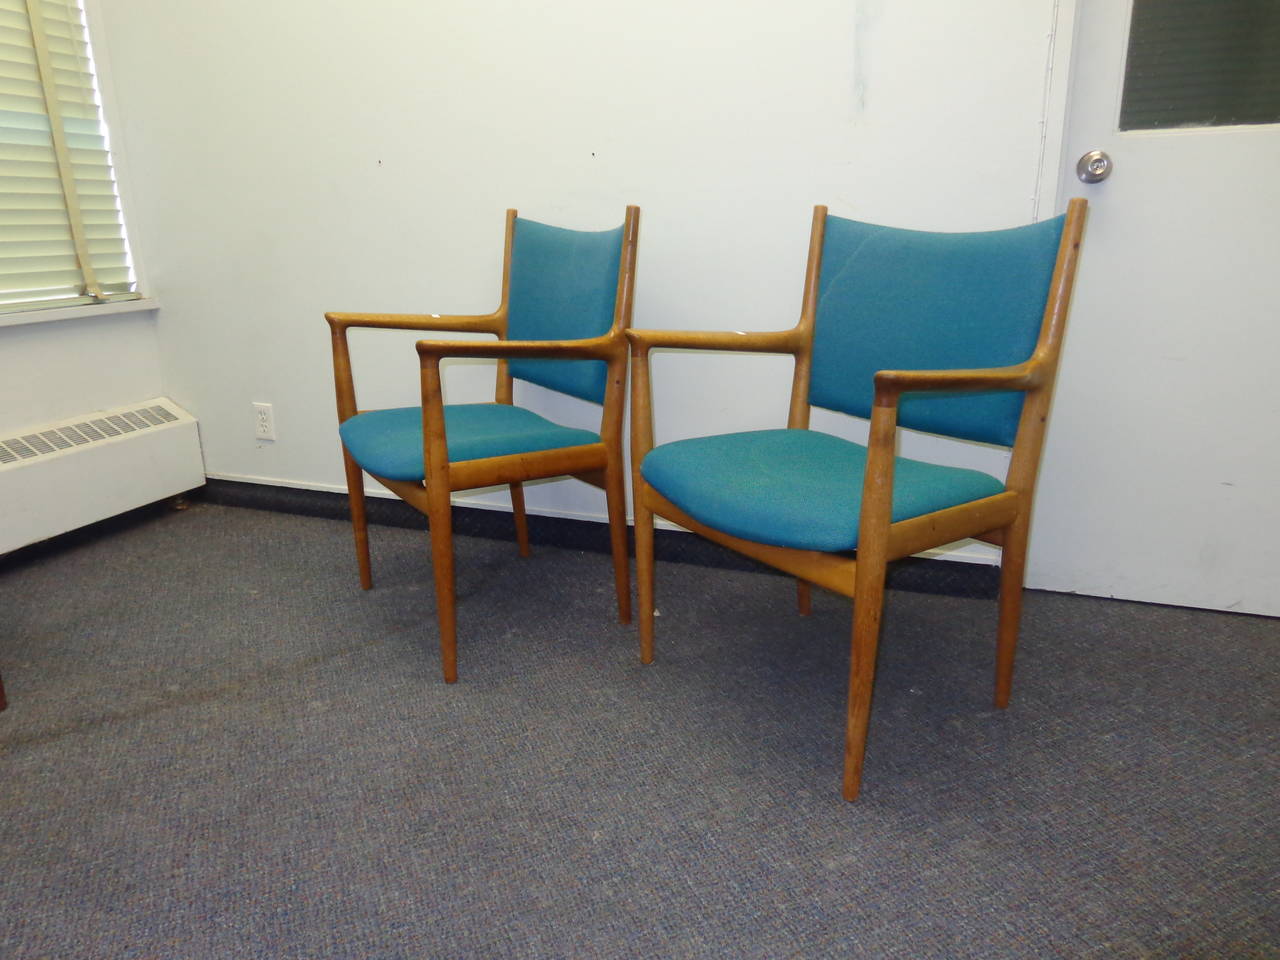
877 487
344 383
780 341
890 384
791 341
593 348
487 323
431 352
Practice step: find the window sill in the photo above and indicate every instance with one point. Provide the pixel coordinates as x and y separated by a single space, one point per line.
85 311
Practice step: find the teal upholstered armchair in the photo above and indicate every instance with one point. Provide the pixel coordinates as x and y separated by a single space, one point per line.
953 334
566 303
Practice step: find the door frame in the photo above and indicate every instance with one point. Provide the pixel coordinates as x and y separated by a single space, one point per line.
1059 76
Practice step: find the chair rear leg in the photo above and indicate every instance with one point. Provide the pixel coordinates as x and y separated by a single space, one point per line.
522 521
1013 568
644 578
868 607
441 520
804 597
616 504
359 522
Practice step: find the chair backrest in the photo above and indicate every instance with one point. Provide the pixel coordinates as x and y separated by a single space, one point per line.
564 285
891 299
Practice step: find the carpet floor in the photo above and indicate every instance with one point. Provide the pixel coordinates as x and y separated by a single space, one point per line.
217 745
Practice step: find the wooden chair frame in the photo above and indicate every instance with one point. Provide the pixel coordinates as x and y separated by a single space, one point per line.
1003 520
600 464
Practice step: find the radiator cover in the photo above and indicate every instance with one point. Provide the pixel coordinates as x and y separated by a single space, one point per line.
63 475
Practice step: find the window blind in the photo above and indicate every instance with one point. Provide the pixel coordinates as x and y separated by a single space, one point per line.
62 237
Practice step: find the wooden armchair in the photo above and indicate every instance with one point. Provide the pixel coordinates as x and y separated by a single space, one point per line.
566 303
954 334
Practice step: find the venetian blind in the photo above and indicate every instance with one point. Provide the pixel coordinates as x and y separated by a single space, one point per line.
62 239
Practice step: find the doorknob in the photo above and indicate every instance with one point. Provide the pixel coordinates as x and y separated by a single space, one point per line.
1094 167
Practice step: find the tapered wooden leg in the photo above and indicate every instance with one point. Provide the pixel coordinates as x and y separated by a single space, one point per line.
804 597
644 578
868 606
616 504
3 702
441 520
868 586
1013 568
359 523
522 521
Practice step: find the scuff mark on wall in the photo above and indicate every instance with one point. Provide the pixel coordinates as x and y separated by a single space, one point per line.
866 16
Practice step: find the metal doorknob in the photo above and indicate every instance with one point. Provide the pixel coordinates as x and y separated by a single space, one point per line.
1094 167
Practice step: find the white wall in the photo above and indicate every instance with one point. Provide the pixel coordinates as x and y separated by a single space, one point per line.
295 157
62 368
289 158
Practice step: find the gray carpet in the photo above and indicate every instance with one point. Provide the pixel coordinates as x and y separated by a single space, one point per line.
218 746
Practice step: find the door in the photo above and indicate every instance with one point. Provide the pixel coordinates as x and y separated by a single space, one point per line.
1161 479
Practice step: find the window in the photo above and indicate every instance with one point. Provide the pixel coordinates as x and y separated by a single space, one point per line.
1202 63
62 238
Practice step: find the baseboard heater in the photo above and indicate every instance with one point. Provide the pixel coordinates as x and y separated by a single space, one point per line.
63 475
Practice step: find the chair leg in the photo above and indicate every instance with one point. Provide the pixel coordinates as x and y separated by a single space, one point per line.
359 522
440 518
644 578
616 504
3 702
868 606
804 597
1013 568
522 521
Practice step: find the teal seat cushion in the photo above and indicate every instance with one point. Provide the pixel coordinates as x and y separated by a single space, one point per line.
388 443
796 488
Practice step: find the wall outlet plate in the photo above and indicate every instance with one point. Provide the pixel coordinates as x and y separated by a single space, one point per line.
264 422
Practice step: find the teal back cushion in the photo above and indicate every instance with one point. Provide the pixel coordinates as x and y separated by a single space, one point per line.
892 299
563 286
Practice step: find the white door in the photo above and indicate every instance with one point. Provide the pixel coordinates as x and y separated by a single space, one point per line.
1162 476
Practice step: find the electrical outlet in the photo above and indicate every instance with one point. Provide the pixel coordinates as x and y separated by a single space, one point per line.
264 423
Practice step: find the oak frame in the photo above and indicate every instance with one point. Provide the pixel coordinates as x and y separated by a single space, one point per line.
600 464
1003 519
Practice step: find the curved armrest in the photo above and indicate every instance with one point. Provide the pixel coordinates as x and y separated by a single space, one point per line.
791 341
431 352
877 483
487 323
781 341
594 348
890 384
343 381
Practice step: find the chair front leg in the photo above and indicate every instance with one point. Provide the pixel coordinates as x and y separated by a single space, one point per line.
1013 567
359 523
868 607
435 461
868 585
521 519
440 518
